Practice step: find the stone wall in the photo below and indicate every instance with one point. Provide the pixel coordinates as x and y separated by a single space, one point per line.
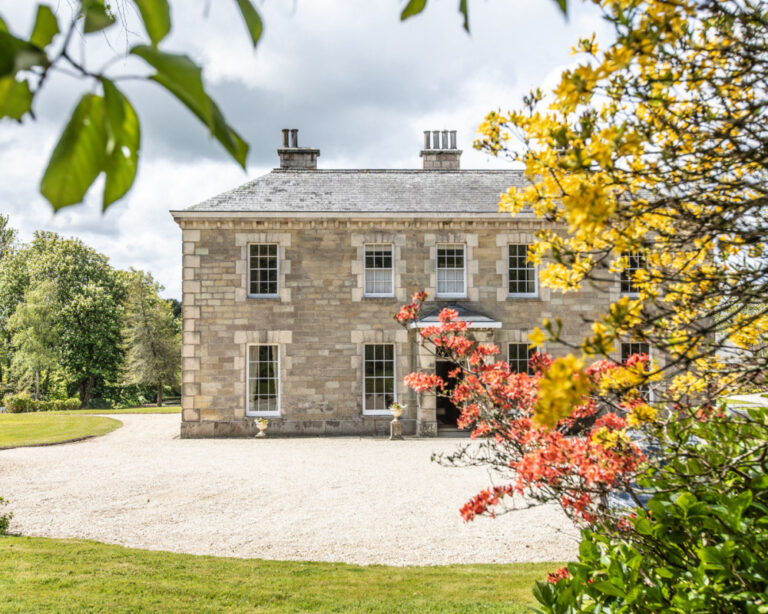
321 321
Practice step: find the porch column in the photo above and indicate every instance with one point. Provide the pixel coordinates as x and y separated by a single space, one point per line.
426 413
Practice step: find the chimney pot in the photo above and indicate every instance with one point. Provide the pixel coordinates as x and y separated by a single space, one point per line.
440 156
293 157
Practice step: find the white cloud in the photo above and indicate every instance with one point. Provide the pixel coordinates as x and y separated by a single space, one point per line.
358 83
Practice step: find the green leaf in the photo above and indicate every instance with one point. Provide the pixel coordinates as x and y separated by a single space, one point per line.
665 572
252 20
96 16
563 6
79 156
180 76
3 27
15 98
588 551
686 501
414 7
17 54
464 11
156 15
643 526
608 588
123 142
183 78
46 27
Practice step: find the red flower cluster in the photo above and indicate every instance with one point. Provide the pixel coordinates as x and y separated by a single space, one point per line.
411 311
448 315
480 503
560 574
421 382
574 464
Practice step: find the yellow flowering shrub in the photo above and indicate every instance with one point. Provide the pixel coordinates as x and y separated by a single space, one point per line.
649 154
562 387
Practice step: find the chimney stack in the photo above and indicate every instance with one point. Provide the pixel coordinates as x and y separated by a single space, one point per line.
440 156
293 157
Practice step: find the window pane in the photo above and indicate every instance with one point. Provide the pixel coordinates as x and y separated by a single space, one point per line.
522 274
635 262
378 269
263 378
450 269
630 349
519 358
262 269
379 376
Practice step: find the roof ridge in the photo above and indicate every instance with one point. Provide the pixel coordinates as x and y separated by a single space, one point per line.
494 171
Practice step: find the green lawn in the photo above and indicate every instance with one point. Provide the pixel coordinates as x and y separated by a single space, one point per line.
50 427
54 575
170 409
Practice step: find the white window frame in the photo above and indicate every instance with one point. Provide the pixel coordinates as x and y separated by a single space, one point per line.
509 360
628 273
381 412
248 411
439 294
650 358
535 292
391 292
249 268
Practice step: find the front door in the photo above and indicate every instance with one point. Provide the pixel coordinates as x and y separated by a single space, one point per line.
447 412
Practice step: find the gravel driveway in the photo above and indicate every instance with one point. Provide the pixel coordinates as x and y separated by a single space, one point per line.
357 500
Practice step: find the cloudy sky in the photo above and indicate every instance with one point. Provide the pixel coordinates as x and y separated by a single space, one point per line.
357 83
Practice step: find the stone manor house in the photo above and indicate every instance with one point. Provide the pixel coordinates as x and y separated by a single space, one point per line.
290 283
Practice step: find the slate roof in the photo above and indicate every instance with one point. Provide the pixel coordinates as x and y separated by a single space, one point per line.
368 191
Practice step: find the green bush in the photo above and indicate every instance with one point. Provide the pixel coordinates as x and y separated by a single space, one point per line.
5 519
18 403
73 403
22 403
701 545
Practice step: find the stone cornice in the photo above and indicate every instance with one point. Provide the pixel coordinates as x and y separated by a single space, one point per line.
250 223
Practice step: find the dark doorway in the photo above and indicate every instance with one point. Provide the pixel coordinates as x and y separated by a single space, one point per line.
447 412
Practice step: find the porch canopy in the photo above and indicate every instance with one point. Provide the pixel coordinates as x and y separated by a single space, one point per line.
475 319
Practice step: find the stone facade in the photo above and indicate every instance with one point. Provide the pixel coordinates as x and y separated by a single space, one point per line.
316 319
321 320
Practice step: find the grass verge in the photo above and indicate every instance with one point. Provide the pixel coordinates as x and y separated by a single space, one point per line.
171 409
47 575
49 427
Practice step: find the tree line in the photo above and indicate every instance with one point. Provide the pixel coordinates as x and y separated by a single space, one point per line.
73 325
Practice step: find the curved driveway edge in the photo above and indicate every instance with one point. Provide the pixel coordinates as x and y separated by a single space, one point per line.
363 501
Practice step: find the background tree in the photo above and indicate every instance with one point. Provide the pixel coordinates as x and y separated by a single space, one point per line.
89 295
7 244
7 236
152 335
35 337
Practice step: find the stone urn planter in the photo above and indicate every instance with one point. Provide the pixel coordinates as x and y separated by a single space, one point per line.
396 427
262 425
